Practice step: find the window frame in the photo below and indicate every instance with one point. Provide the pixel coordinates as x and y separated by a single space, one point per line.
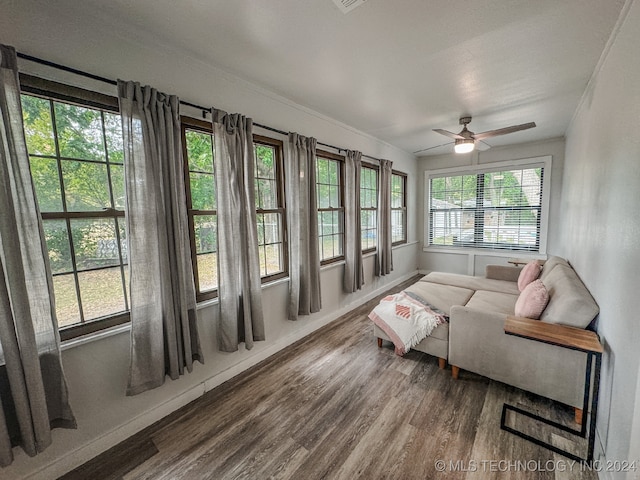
544 162
376 169
52 91
404 177
278 146
201 126
340 159
204 126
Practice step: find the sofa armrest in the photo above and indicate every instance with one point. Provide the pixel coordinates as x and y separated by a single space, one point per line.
502 272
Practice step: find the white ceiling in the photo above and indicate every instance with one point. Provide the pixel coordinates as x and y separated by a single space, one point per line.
396 69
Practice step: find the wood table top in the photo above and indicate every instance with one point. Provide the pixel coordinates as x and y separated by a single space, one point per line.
561 335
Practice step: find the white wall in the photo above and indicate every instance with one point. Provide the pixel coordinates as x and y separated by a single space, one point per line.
472 262
634 447
599 228
97 371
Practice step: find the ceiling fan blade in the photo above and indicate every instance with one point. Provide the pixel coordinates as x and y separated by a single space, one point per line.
503 131
447 133
431 148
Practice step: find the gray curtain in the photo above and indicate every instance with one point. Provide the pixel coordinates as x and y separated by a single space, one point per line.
384 259
353 269
33 390
164 331
240 288
302 222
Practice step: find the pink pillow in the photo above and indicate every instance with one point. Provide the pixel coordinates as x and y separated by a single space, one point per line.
528 274
532 301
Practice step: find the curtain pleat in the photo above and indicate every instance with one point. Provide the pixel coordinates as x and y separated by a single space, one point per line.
164 331
353 269
384 258
302 222
240 288
33 390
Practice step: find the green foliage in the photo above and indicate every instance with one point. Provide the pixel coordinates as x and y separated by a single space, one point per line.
265 161
88 154
397 191
201 170
57 238
80 134
328 182
46 180
86 185
200 151
368 188
206 233
80 137
38 126
457 190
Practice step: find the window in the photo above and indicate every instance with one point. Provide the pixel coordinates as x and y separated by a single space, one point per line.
202 208
369 208
329 171
398 208
497 208
200 184
76 160
270 215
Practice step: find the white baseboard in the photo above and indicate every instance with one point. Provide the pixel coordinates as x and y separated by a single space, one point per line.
79 456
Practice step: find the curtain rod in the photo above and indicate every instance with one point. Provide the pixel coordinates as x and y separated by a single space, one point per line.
204 110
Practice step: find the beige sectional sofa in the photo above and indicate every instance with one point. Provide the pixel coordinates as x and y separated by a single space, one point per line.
474 338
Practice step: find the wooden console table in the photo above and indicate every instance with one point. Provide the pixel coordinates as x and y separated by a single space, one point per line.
565 337
516 262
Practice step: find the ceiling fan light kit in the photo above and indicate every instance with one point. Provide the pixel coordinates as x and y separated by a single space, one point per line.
465 140
464 145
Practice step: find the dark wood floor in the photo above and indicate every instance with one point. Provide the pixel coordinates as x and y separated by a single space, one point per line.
335 406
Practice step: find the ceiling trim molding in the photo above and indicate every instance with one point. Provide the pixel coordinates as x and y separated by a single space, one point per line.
622 18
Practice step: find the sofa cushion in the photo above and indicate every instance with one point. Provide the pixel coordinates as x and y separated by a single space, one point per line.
550 264
443 297
472 283
441 332
532 301
570 303
502 272
528 274
495 302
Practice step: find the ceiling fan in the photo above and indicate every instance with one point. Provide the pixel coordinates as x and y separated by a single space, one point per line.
466 140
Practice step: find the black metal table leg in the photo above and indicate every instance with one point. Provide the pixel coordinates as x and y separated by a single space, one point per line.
588 395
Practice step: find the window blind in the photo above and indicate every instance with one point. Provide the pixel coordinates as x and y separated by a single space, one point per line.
494 209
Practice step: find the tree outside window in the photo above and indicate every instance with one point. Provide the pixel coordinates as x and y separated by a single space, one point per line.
76 161
329 186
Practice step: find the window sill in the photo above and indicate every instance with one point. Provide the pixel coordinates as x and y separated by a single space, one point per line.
92 337
405 244
265 286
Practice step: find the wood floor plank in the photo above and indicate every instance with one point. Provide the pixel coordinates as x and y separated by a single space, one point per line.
129 455
335 406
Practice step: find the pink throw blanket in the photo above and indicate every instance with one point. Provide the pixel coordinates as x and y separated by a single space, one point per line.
405 320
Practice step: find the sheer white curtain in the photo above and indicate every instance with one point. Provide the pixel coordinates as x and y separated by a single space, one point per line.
240 289
164 331
33 390
302 222
384 259
353 268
